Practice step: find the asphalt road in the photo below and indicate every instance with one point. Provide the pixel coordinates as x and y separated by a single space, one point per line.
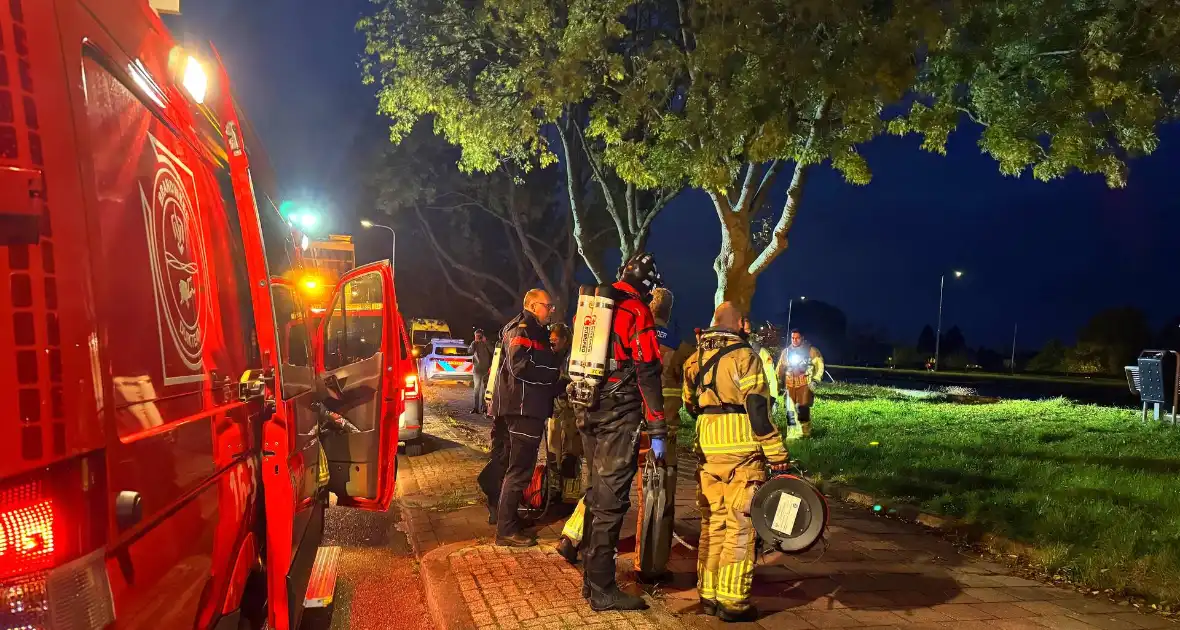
378 585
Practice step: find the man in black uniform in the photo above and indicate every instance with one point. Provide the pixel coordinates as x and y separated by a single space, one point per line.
481 364
611 426
522 400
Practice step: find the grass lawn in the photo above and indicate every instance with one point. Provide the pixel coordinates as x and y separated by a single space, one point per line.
1093 489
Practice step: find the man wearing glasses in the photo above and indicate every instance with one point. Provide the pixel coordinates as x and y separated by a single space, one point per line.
522 400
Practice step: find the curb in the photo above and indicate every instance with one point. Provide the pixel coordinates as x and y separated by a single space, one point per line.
444 600
937 522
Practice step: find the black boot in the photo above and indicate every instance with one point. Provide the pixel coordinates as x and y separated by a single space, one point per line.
515 540
585 588
709 607
732 616
568 550
612 598
663 577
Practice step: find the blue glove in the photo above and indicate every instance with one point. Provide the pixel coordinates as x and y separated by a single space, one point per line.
658 448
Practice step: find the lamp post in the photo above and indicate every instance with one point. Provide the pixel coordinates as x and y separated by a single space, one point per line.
938 335
791 307
1012 360
365 223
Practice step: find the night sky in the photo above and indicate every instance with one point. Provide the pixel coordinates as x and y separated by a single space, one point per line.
1046 256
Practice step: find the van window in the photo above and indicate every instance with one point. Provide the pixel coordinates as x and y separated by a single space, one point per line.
353 331
295 369
171 281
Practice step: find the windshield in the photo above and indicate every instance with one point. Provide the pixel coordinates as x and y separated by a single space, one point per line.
424 337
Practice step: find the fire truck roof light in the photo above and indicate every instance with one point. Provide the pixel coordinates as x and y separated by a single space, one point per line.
195 81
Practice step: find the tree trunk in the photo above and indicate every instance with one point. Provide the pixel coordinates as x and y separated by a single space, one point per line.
734 281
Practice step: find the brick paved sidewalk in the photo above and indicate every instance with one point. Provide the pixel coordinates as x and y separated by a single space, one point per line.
875 572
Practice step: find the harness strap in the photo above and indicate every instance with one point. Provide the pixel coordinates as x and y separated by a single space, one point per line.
711 364
724 408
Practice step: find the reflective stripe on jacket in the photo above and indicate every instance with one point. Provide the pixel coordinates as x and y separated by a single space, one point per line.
812 368
731 438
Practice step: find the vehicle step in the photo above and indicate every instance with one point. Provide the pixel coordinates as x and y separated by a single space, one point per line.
323 578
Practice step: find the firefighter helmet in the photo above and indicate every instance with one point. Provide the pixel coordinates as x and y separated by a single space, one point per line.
640 272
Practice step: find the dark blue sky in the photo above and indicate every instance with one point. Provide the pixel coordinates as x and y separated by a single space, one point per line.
1044 255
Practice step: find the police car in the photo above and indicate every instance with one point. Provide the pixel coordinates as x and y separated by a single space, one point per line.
449 360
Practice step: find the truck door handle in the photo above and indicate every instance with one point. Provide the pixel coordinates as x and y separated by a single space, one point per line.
128 509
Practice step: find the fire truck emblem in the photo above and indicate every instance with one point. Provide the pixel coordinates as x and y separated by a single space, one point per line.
176 246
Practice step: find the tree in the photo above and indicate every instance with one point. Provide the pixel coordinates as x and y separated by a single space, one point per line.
868 345
1116 336
513 85
723 95
953 342
1169 335
761 84
1086 358
502 234
1051 358
907 357
926 341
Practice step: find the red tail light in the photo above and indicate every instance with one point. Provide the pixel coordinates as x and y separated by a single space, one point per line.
52 561
26 530
411 391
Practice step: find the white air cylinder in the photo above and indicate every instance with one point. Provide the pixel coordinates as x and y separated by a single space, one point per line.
591 343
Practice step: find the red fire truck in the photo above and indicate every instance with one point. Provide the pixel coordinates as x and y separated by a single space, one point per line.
163 462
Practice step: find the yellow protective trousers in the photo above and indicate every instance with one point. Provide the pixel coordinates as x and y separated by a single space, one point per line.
725 558
575 523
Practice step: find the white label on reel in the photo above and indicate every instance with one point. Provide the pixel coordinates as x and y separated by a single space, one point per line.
786 513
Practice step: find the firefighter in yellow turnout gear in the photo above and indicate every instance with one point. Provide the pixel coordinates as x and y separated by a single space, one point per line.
726 389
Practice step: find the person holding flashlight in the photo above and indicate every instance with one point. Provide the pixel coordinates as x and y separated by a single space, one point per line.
800 368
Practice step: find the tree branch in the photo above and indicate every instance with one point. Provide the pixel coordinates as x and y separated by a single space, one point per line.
768 179
478 297
475 203
778 238
524 241
747 190
451 260
611 208
659 204
574 188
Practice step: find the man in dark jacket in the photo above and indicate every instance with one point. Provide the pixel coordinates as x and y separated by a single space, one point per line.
481 360
522 401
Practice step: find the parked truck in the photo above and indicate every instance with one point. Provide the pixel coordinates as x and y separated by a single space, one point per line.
167 448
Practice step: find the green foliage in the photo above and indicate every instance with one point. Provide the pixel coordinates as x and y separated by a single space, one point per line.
1057 84
720 93
1051 358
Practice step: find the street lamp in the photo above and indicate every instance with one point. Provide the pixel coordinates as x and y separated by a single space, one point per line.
365 223
791 307
938 335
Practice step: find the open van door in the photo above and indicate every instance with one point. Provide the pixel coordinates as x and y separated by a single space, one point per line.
359 362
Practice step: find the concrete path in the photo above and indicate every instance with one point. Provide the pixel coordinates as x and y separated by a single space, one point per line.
875 572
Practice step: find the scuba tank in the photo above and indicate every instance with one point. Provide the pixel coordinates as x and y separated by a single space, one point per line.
495 369
591 343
